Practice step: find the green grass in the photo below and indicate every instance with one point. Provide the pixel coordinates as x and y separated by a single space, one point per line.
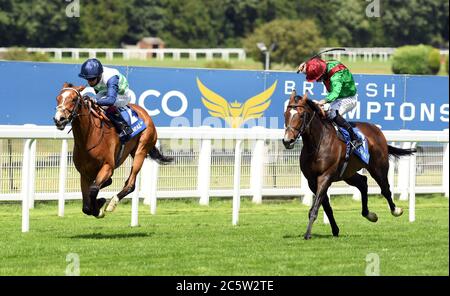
358 67
184 238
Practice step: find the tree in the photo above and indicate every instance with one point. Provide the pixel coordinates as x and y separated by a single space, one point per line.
103 23
420 21
296 40
36 23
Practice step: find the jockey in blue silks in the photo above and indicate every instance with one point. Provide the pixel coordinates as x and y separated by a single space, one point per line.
111 89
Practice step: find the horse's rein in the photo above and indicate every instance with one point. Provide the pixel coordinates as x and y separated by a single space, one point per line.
61 106
303 127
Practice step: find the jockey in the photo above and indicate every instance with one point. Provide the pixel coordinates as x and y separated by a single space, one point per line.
111 89
341 88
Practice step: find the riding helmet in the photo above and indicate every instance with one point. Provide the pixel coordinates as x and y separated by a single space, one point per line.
315 68
90 69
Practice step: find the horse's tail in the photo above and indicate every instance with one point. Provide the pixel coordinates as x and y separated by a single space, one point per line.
398 152
155 154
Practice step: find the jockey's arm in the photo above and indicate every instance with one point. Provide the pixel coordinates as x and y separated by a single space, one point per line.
336 87
111 93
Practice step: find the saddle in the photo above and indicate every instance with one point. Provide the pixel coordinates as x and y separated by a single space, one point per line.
119 117
362 151
123 116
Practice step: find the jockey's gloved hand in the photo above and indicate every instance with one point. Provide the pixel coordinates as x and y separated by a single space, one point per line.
301 68
93 100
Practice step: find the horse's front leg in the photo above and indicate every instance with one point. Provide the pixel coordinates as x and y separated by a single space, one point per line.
323 182
103 176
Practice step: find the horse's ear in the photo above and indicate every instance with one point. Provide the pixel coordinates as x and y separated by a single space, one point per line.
66 84
293 94
305 96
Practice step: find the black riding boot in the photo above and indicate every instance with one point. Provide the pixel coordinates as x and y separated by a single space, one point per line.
122 125
340 121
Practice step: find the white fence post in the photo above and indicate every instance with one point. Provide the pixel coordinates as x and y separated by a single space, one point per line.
150 171
257 168
403 174
445 170
412 186
135 202
32 174
25 184
391 174
237 182
204 170
154 171
62 177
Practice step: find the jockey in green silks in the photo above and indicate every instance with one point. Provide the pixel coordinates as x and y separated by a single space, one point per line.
341 97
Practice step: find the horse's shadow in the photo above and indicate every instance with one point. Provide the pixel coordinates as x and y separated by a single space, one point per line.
99 235
317 236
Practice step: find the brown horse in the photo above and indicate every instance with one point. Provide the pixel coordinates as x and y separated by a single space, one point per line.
96 151
323 156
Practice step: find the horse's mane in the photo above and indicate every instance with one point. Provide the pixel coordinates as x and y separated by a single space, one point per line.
313 106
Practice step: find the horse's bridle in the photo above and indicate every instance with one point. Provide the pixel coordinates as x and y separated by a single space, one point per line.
304 125
74 111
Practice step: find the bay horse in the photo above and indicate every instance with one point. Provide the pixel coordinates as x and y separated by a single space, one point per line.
323 155
97 147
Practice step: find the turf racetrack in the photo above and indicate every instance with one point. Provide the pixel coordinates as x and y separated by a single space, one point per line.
184 238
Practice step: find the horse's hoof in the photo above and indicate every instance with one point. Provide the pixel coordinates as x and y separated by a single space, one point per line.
307 236
397 212
372 217
335 232
101 214
112 204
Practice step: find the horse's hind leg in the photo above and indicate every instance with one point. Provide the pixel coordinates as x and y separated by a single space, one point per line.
130 183
360 182
380 175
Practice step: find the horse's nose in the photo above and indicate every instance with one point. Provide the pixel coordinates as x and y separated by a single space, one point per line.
288 143
59 123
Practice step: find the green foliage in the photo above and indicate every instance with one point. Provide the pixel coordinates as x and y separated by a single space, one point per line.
421 21
36 23
418 59
296 40
446 64
102 23
20 54
219 64
218 23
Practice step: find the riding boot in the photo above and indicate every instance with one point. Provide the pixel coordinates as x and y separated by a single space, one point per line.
122 126
354 138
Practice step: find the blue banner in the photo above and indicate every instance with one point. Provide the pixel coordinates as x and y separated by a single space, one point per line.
227 98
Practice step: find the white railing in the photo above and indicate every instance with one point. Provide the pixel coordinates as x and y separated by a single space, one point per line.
208 162
367 53
143 54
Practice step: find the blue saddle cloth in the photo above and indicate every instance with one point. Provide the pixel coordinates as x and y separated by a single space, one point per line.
133 120
363 151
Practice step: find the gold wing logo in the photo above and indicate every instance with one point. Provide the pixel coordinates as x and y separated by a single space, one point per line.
235 114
